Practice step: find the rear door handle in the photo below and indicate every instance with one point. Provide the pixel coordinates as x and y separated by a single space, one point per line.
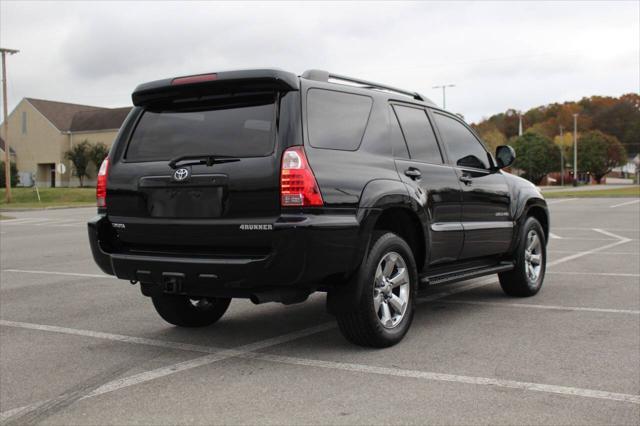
466 180
413 173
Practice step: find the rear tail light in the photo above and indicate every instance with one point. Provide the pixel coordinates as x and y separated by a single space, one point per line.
101 186
298 185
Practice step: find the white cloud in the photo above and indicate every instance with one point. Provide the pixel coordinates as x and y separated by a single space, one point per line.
499 55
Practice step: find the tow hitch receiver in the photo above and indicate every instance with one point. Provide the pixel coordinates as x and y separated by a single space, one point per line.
172 282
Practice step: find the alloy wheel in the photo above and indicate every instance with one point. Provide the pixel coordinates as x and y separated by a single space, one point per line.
391 290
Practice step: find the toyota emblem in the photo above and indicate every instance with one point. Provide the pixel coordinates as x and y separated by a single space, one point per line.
181 175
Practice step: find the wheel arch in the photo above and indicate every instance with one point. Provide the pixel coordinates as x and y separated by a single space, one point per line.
405 223
542 216
385 205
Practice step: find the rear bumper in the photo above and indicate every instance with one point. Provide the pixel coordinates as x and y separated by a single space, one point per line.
307 251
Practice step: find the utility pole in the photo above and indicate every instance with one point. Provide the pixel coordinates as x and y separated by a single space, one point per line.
575 149
561 156
7 148
444 95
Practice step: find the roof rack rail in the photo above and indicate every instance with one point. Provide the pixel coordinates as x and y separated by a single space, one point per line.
321 75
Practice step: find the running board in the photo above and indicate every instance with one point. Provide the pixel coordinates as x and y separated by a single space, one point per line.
468 274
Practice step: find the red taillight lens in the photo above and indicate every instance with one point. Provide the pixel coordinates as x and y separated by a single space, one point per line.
298 186
194 79
101 185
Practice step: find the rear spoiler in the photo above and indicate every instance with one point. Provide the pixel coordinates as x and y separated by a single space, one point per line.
205 84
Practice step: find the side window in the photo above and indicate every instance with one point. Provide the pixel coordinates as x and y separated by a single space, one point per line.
337 120
397 140
462 146
24 122
419 134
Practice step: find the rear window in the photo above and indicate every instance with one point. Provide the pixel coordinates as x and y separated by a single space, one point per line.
244 130
337 120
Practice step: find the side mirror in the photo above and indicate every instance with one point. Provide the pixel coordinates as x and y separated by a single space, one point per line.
505 156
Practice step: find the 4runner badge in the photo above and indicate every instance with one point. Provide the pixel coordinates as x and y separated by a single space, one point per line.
256 227
181 175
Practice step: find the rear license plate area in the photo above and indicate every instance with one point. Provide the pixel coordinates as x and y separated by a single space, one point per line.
186 202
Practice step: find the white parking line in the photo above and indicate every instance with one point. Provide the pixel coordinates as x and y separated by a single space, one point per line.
555 236
158 372
24 221
71 274
549 307
613 253
573 228
431 376
110 336
564 200
600 274
621 240
625 204
248 352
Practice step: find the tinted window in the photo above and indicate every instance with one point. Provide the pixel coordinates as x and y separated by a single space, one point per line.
419 134
462 146
336 120
397 140
240 131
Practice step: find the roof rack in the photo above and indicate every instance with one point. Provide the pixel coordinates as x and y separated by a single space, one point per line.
321 75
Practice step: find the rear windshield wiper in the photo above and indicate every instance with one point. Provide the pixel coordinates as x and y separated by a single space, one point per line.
208 160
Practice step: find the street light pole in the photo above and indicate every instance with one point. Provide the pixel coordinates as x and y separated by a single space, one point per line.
561 156
444 95
519 124
7 148
575 149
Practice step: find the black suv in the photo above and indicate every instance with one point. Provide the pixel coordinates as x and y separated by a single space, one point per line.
265 185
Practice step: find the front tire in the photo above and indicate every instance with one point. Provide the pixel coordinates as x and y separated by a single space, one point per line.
388 281
186 312
531 259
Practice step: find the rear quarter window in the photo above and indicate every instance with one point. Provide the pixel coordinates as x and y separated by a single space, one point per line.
244 130
337 120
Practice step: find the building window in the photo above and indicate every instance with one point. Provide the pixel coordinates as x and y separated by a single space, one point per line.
24 122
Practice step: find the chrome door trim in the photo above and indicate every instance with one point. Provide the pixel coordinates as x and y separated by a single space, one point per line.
477 226
447 226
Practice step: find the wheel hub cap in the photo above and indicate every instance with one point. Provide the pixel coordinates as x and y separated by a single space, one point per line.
533 256
391 290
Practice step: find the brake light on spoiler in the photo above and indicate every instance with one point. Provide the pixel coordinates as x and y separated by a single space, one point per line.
298 185
200 78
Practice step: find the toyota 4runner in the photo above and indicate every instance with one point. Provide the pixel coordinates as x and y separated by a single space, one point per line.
265 185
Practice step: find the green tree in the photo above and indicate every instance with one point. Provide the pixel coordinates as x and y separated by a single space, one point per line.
98 153
599 153
14 175
536 156
79 155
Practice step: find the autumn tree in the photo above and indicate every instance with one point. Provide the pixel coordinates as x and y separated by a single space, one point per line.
599 153
536 156
619 117
491 135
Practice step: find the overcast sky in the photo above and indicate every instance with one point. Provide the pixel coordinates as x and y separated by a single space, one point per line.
499 55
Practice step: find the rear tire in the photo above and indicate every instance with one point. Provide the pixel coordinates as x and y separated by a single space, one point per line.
531 257
186 312
388 279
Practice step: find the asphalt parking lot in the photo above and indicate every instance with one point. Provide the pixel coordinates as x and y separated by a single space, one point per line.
78 347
